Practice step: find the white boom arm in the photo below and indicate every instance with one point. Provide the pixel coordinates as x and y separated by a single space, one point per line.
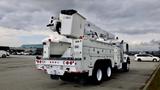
72 24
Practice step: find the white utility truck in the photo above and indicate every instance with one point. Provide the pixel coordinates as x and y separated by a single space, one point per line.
81 50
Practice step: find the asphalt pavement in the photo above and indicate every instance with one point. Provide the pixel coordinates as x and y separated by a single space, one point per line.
19 73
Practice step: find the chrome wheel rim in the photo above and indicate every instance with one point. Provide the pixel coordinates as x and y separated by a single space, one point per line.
99 74
109 71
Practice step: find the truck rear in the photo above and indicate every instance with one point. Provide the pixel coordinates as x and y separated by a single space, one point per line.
61 58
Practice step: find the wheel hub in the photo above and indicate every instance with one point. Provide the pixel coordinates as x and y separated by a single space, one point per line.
109 72
99 74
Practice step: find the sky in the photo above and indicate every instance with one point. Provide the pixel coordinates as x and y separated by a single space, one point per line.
135 21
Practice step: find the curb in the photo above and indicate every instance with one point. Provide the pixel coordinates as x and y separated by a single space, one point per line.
151 77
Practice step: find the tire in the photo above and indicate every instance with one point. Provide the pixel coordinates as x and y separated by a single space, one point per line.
154 60
139 60
125 67
3 56
97 75
107 72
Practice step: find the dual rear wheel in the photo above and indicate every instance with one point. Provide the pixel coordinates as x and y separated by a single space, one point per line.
101 73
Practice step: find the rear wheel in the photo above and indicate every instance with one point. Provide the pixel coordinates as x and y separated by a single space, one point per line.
154 60
107 72
139 60
97 75
3 56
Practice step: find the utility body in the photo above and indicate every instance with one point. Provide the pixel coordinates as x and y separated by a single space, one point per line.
81 50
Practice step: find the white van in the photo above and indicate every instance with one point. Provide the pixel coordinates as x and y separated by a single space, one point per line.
3 54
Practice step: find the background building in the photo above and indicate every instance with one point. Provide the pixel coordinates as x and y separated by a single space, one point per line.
33 49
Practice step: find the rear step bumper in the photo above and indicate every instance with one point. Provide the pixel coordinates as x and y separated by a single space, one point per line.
72 75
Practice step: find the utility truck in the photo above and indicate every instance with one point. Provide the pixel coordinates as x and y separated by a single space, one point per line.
81 50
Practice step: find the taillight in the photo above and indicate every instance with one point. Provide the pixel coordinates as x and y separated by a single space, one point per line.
37 61
54 62
81 37
69 62
40 61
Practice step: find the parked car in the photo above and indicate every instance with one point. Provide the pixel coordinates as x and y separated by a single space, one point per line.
3 54
26 53
146 57
19 53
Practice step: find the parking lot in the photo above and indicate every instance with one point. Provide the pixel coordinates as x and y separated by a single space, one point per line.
19 73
